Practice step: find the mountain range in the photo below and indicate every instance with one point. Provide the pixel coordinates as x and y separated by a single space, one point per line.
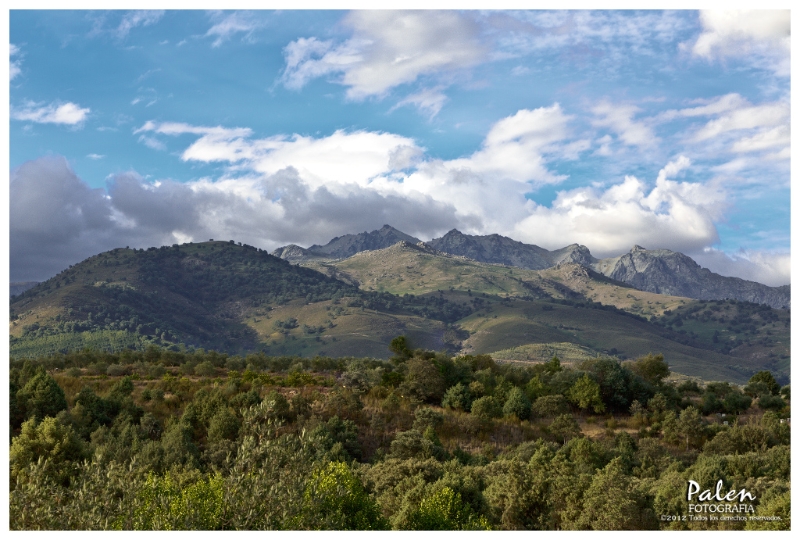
461 293
659 270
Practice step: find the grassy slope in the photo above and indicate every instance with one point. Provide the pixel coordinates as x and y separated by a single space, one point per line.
513 309
499 325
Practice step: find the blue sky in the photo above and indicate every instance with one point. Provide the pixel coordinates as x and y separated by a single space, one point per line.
609 129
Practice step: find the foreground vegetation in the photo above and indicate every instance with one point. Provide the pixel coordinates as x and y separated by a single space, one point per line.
161 439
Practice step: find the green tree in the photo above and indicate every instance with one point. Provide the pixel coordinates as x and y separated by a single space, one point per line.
773 505
691 426
486 407
444 510
423 381
399 346
224 425
549 406
457 397
651 368
335 499
50 441
766 377
585 394
41 396
612 504
564 427
517 404
161 504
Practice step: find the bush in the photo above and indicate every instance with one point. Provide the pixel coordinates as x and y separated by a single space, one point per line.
50 440
116 370
769 402
41 396
517 404
457 397
486 407
335 499
205 369
549 406
444 510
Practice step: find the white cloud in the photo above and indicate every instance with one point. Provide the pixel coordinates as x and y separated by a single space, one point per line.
761 36
777 137
672 215
673 168
511 162
429 100
388 49
612 34
733 32
296 189
769 268
136 18
745 117
620 120
14 68
340 158
232 24
95 156
65 113
57 220
152 142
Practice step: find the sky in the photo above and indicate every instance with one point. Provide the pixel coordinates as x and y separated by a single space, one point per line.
665 129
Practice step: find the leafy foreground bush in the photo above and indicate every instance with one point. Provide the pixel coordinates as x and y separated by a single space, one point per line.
356 444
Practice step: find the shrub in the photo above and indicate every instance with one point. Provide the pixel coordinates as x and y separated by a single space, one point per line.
457 397
517 404
486 407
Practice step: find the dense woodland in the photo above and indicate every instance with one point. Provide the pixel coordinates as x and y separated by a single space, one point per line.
163 439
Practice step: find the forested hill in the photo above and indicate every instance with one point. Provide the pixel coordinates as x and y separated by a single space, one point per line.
196 294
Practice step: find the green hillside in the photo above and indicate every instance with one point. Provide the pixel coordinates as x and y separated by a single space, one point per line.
238 299
569 303
215 295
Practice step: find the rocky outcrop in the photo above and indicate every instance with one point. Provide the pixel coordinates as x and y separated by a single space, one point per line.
348 245
293 253
658 270
498 249
668 272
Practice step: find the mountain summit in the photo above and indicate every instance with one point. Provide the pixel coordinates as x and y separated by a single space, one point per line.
669 272
498 249
348 245
653 270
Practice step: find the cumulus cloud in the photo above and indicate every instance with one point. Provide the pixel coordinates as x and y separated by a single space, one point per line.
57 220
299 189
56 113
14 68
671 215
234 23
387 49
340 158
769 268
757 33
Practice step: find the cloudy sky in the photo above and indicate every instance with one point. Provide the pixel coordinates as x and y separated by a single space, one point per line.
609 129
